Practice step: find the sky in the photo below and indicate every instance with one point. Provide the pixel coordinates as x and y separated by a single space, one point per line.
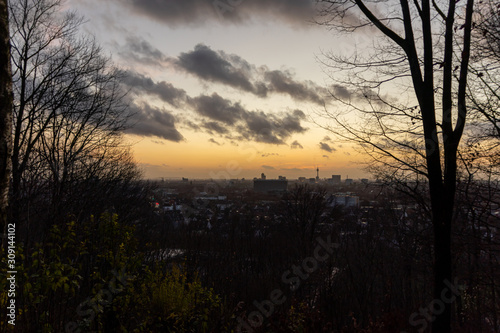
225 89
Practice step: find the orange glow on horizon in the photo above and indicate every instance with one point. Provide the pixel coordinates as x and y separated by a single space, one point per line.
247 160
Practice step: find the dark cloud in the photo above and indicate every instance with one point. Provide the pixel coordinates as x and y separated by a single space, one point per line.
217 108
326 147
296 145
268 167
261 127
215 127
191 125
326 156
283 82
340 92
163 90
213 141
223 116
270 128
151 121
219 116
141 51
327 139
291 123
217 67
270 154
199 12
232 70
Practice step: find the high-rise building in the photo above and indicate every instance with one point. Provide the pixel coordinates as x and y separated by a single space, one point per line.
270 185
336 179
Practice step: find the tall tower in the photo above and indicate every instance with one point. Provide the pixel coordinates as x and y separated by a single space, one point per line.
317 173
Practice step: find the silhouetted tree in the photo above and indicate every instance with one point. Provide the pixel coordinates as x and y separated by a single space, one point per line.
5 113
425 49
69 113
484 95
304 209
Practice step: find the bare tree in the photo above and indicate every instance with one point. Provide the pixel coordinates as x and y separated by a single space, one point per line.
69 109
304 209
425 50
484 95
5 112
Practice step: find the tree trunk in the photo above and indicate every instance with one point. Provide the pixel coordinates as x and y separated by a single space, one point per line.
440 308
443 204
5 113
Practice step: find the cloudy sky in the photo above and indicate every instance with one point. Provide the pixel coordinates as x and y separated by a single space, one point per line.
224 88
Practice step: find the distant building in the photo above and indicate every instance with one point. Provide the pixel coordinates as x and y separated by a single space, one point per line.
281 178
262 176
185 180
352 201
270 185
336 179
203 196
349 181
172 208
364 180
302 179
346 200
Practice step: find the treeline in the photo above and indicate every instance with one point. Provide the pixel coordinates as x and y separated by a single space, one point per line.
377 278
364 270
68 155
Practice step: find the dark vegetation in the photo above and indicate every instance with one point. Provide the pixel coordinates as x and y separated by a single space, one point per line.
159 273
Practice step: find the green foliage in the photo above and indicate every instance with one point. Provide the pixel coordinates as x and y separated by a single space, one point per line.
92 277
51 266
182 302
75 262
175 302
296 317
47 280
109 261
